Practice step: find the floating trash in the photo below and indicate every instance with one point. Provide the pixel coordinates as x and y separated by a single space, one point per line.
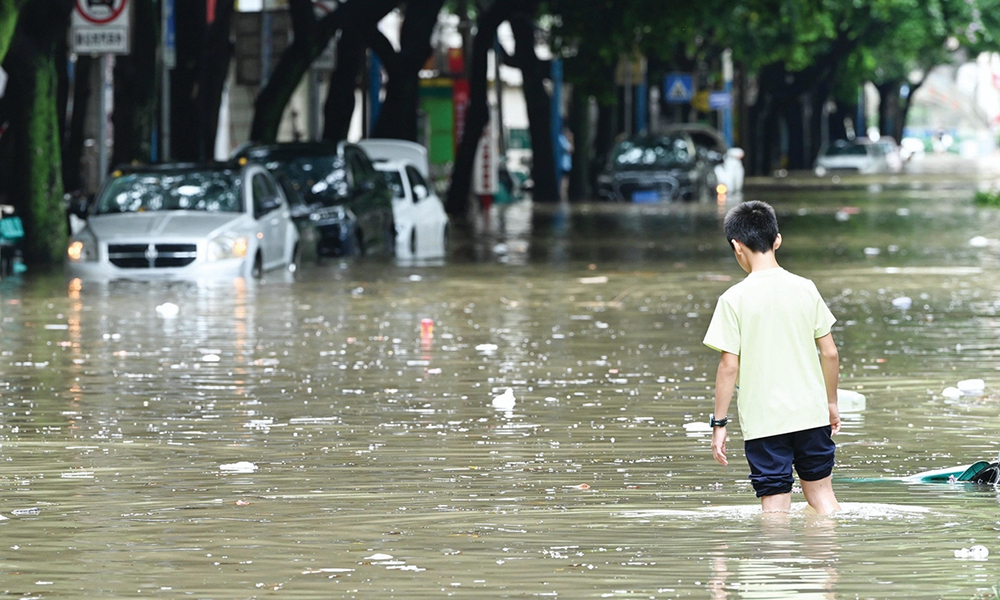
168 310
977 552
870 251
849 401
26 512
972 387
505 401
952 393
487 348
211 358
593 280
903 302
238 467
979 242
379 556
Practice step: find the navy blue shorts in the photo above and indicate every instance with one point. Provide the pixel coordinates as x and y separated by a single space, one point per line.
771 459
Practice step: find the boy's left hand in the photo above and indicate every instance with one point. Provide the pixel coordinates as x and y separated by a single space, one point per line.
834 418
719 445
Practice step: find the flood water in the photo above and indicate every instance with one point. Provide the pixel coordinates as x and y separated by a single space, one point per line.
298 438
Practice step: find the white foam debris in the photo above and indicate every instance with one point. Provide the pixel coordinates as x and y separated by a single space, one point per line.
505 400
972 386
903 302
168 310
238 467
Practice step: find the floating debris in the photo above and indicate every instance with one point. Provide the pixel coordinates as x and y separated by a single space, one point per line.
505 401
168 310
238 467
977 552
849 401
972 387
903 302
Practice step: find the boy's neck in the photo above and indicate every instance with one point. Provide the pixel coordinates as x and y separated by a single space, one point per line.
762 261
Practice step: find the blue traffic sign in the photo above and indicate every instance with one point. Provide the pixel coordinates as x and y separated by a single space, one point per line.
720 100
678 88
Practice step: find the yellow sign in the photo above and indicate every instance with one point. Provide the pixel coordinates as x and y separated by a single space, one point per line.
700 101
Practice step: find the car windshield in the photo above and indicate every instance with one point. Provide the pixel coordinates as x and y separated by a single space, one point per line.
395 182
317 178
846 149
208 191
658 152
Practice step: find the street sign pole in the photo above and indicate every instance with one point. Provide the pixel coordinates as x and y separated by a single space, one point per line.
169 62
727 79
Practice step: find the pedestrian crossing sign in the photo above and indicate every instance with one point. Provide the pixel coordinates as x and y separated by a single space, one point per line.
678 88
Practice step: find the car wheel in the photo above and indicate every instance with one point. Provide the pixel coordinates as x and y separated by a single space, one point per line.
296 259
359 243
390 238
258 267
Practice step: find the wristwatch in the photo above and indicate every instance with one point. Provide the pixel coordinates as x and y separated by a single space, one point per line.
717 422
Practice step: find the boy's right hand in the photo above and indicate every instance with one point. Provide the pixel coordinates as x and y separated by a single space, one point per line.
719 444
834 418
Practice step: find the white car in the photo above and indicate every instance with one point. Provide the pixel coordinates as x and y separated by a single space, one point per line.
421 222
860 156
184 221
729 171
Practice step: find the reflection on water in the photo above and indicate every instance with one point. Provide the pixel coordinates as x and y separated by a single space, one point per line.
299 437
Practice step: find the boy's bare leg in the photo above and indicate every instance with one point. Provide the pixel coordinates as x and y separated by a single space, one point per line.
776 503
819 495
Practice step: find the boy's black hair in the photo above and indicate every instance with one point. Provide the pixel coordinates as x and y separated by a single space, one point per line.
753 224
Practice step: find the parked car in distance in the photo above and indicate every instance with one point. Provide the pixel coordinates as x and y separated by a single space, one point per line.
348 201
421 222
185 221
657 168
729 171
860 156
893 153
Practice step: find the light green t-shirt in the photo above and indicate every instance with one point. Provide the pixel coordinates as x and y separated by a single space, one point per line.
771 320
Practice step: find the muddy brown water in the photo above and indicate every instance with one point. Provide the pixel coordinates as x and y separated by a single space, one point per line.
297 437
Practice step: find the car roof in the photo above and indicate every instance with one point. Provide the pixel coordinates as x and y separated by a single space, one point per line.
288 149
166 168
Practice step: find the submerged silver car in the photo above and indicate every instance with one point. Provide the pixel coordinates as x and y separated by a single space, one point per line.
185 221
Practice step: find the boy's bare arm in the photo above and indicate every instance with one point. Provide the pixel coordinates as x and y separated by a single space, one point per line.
829 359
725 385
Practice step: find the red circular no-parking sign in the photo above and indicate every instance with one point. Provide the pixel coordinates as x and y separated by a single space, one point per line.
100 12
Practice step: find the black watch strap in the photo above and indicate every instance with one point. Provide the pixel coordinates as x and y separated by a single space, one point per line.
717 422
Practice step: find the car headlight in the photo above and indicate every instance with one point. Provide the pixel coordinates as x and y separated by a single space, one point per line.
228 246
81 250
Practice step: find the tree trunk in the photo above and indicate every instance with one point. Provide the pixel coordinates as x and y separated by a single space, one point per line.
539 104
31 150
73 137
214 69
604 140
309 41
478 114
136 100
340 102
579 123
398 117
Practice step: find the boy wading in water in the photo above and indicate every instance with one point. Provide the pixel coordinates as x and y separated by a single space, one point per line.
767 328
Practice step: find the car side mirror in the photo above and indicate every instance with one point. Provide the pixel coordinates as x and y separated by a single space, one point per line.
419 192
269 204
77 205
